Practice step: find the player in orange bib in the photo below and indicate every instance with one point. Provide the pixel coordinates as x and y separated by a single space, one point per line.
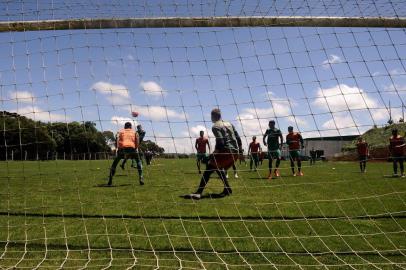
396 148
127 147
363 153
295 142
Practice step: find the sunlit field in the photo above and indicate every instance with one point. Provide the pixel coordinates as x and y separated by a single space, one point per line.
61 214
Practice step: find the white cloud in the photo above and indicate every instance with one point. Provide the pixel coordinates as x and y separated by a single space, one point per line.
39 114
343 97
116 94
152 88
396 71
120 121
22 96
159 113
194 132
130 57
333 59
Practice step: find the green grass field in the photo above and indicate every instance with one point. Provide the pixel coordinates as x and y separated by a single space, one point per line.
59 214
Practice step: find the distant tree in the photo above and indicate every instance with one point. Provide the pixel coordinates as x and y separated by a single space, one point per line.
109 138
149 145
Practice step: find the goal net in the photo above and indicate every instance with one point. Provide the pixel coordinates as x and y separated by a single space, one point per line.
72 73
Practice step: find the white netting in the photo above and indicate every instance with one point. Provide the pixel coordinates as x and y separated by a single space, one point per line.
65 93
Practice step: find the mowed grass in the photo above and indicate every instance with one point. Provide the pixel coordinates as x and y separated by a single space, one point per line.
60 214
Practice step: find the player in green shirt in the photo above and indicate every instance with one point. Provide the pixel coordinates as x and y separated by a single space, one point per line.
273 139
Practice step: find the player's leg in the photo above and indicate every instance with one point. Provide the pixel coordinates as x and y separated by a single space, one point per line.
123 163
395 166
114 165
292 164
198 163
205 178
227 189
235 170
251 161
402 171
270 159
138 161
299 165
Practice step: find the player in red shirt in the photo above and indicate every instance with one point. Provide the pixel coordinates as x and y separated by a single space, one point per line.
295 142
396 148
254 149
200 146
363 153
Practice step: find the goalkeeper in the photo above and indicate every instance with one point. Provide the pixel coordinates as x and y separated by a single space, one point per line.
127 145
227 151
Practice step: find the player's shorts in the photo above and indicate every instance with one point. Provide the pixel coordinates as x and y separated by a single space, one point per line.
128 152
294 154
362 158
398 157
202 157
274 154
223 159
255 156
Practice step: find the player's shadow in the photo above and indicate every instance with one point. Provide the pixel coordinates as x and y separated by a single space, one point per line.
260 178
110 186
206 196
392 176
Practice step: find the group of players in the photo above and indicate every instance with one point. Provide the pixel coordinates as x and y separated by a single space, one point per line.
273 140
396 150
228 149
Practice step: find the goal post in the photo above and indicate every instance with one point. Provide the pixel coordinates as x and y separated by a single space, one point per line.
230 21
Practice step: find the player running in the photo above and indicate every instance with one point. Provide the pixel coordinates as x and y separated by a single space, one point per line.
396 148
200 146
127 145
226 152
254 149
295 142
274 140
363 153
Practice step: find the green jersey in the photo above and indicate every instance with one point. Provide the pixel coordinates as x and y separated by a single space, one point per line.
273 138
226 136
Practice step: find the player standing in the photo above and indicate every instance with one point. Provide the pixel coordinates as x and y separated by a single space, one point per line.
295 143
396 149
200 146
363 153
274 140
254 149
127 145
226 152
141 134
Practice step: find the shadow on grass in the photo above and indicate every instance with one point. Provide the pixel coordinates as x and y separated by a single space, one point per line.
206 196
259 178
392 176
107 186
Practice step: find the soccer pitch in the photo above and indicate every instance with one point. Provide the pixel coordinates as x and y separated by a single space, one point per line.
60 214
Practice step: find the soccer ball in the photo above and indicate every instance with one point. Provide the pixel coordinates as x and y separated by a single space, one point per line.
134 114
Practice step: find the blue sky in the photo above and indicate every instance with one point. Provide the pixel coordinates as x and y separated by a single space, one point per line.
323 81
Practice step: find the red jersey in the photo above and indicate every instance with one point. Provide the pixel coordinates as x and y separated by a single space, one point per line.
362 148
396 141
201 144
294 140
254 147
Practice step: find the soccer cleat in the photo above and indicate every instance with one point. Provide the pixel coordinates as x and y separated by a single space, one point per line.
300 173
194 196
235 175
226 192
142 180
270 175
227 175
403 175
395 175
294 174
277 173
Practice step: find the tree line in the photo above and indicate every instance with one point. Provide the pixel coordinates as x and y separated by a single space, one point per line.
21 137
